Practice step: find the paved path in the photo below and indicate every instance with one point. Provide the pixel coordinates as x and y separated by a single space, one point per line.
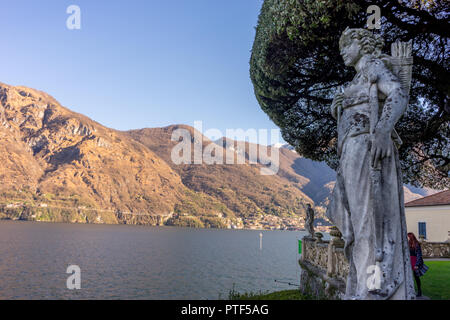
436 259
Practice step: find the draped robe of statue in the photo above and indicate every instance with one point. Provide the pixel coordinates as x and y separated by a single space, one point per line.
353 204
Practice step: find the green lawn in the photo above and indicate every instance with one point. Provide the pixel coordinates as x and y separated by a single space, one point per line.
436 282
435 285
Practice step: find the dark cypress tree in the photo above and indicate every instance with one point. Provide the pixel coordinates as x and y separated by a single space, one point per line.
296 69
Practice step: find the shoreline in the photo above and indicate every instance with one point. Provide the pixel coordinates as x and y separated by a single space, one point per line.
143 225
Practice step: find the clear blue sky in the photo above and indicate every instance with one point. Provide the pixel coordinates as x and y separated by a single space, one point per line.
138 63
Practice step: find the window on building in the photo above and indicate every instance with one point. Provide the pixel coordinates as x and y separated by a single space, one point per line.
423 229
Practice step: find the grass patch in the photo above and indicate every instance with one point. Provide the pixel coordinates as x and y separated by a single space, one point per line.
277 295
436 282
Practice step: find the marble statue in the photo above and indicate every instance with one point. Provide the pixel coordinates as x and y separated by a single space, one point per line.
309 222
367 201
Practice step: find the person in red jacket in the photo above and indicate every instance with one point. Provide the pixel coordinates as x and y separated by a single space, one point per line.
419 268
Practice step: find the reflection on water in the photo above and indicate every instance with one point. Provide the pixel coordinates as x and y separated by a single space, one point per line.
133 262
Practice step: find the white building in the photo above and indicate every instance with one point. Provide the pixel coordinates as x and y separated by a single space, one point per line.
430 217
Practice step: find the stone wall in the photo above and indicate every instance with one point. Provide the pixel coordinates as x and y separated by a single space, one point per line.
435 249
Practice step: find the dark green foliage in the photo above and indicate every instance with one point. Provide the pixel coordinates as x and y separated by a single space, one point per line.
185 221
296 69
214 222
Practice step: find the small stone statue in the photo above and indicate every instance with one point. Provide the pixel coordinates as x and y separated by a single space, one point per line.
309 222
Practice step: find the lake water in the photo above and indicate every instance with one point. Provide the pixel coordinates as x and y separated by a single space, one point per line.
135 262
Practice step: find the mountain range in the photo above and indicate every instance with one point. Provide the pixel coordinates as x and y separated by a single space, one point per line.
58 165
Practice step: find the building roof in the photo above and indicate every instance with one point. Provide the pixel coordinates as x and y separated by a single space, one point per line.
437 199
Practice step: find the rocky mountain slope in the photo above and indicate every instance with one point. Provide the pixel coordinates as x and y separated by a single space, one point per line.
58 165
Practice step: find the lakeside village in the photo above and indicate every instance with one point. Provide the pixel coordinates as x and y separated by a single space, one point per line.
269 222
252 222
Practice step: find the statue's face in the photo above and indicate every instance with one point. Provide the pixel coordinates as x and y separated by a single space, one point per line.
351 52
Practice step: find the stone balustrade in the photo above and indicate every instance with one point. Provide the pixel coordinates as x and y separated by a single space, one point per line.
435 249
325 267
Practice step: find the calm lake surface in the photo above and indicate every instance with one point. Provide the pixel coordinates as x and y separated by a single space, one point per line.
136 262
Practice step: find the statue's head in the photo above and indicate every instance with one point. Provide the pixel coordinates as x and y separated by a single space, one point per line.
355 43
308 206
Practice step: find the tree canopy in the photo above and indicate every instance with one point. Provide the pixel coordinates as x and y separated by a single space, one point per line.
296 69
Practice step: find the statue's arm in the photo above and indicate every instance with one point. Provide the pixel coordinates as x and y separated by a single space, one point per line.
336 105
396 98
394 107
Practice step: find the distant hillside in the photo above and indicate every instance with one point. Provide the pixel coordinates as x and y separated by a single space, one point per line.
240 187
57 165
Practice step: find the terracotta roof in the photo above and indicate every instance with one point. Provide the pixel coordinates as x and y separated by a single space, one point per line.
440 198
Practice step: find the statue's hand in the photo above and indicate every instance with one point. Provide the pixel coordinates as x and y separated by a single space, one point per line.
381 147
336 105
